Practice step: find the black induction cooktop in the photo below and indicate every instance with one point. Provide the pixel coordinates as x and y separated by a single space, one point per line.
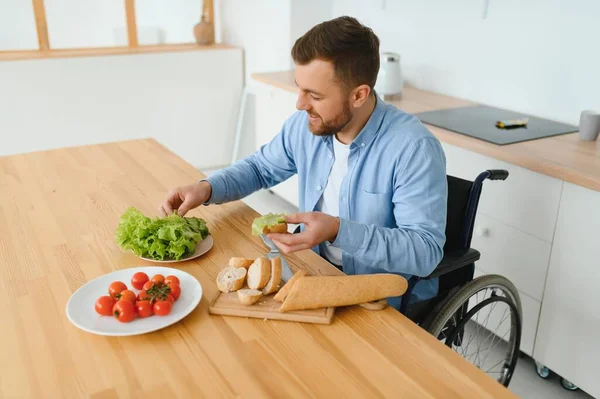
479 121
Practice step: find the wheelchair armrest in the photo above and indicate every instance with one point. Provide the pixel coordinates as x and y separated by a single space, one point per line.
455 260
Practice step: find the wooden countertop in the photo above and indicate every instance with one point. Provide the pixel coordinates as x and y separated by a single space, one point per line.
564 157
58 213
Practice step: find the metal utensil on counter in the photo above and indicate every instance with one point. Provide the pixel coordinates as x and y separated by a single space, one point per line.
286 272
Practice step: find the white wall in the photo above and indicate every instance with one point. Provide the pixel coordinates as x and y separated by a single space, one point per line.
186 100
535 56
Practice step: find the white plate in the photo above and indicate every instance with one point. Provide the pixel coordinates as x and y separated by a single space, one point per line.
82 313
202 247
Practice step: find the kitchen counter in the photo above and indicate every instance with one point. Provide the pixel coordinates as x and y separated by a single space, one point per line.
563 157
58 213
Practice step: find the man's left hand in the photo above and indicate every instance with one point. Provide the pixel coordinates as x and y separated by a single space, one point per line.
319 227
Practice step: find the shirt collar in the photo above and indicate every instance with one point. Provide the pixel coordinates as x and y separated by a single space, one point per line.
371 128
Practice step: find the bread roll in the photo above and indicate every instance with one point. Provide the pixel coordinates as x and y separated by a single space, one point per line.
276 228
314 292
283 292
275 278
248 296
259 273
231 279
240 262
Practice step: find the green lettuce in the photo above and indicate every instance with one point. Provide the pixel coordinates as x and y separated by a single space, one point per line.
269 219
171 237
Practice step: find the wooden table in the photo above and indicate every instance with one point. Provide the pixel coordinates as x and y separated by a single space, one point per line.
58 213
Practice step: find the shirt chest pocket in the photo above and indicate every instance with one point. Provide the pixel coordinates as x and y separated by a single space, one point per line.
375 208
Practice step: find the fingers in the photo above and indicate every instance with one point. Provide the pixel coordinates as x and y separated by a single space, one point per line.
288 249
297 218
288 239
185 207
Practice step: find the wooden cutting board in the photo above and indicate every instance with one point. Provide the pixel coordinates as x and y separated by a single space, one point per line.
266 308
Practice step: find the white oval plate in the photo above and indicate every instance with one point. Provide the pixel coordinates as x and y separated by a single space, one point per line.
82 313
202 247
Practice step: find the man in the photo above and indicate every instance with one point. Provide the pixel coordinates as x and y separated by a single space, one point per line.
372 179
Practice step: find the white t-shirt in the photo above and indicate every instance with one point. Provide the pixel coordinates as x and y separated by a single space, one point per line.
330 200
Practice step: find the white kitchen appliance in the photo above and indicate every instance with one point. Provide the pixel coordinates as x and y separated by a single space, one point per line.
389 79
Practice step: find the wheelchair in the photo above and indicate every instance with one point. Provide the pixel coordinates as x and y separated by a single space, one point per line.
479 318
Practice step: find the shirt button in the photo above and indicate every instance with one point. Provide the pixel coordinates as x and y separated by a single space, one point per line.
362 144
330 156
319 188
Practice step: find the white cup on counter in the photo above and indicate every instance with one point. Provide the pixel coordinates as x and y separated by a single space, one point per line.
589 125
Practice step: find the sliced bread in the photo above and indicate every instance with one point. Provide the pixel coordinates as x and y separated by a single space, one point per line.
248 296
231 279
275 278
259 273
240 262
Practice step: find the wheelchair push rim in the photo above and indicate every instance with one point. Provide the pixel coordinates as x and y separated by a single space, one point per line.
482 323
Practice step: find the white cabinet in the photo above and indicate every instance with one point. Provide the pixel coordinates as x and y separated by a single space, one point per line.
273 107
568 340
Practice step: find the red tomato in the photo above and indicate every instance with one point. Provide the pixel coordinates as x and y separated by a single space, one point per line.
175 290
162 308
148 285
104 305
139 279
143 296
124 311
170 298
158 279
115 288
128 295
171 279
143 308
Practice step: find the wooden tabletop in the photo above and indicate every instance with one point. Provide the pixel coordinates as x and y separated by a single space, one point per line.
564 157
58 213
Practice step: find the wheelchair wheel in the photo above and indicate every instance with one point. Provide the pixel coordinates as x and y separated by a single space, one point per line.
482 322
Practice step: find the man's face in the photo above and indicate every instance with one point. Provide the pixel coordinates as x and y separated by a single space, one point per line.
323 97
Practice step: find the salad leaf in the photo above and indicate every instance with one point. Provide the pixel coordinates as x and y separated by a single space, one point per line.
170 237
266 220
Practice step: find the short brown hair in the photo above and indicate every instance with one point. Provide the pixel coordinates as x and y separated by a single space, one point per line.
352 48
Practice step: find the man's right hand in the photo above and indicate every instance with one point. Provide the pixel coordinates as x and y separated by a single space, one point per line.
185 198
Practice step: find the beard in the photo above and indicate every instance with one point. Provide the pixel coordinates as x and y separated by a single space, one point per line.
332 127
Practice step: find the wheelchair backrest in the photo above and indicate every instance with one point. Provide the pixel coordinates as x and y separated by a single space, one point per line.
459 191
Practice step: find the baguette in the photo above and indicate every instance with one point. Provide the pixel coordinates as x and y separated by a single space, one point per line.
241 262
284 291
249 297
259 273
314 292
231 279
275 279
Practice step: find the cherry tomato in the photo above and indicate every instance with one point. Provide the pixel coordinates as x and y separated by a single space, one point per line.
143 308
104 305
128 295
175 290
171 279
115 288
148 285
158 279
139 279
124 311
162 308
143 296
170 298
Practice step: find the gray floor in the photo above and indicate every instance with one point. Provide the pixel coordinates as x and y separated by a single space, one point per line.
525 382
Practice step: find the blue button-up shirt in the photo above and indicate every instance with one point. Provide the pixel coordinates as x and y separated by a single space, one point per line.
393 198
